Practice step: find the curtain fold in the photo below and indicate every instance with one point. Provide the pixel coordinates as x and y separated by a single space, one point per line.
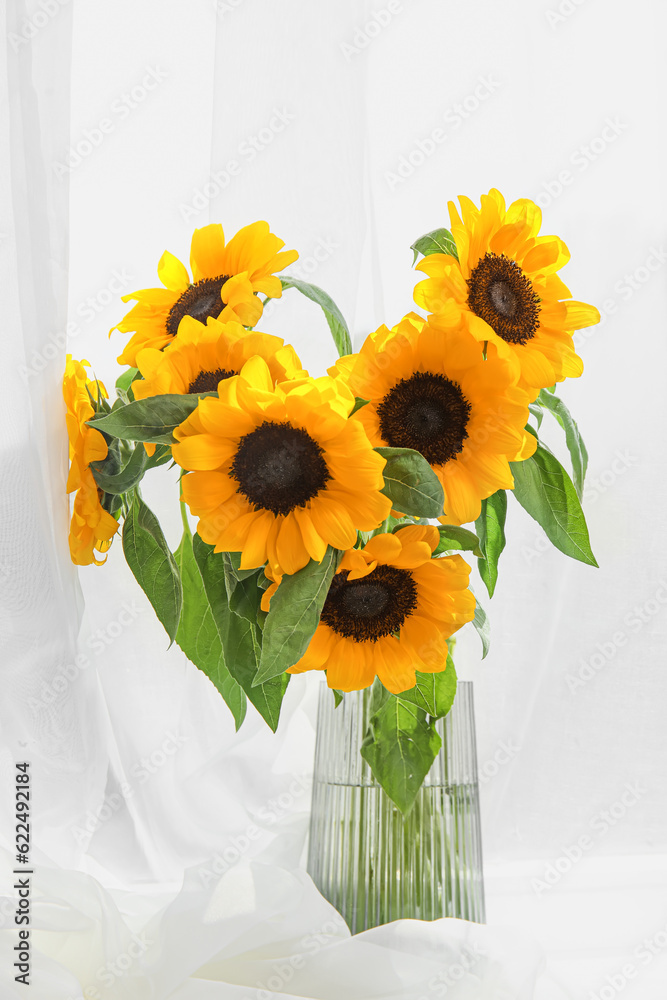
41 600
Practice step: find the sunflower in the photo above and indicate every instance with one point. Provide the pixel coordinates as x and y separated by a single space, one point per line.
226 278
92 528
505 287
203 355
279 472
389 611
429 388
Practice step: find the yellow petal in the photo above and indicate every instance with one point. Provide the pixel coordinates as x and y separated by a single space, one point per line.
290 548
314 543
256 373
206 252
203 451
394 665
172 273
254 547
580 315
333 523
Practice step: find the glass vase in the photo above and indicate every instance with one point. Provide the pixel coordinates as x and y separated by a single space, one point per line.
369 860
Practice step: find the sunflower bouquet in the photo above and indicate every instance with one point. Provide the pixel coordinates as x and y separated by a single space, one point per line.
331 510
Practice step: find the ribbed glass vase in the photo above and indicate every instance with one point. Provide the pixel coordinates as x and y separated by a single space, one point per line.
371 862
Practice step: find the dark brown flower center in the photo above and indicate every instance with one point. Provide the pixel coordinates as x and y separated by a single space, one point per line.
208 381
279 467
427 412
200 301
502 295
369 609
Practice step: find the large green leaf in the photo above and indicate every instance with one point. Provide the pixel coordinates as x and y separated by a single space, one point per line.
153 419
456 539
410 483
491 530
130 476
295 614
545 491
400 749
334 317
153 565
437 241
241 639
198 635
434 693
573 438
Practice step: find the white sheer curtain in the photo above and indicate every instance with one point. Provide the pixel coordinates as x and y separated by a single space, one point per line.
349 124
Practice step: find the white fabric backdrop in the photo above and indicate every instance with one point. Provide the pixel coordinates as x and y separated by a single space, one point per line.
138 773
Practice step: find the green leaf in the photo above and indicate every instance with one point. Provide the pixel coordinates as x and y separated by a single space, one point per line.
395 523
358 403
454 538
233 564
410 483
400 749
245 599
131 474
573 438
434 693
295 614
338 696
545 491
334 317
537 412
437 241
491 530
125 380
241 640
153 419
153 565
198 635
481 624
